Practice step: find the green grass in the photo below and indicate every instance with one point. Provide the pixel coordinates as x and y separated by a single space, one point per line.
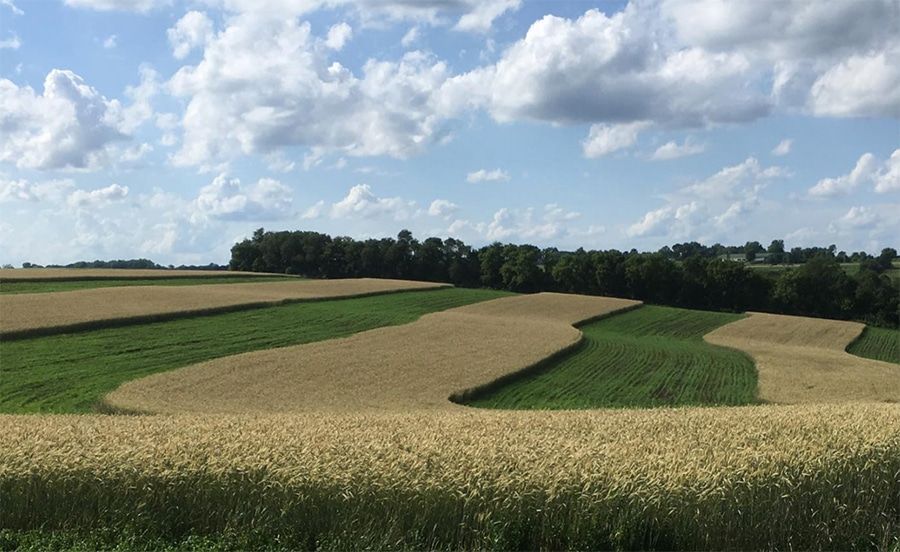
652 356
71 372
878 344
69 285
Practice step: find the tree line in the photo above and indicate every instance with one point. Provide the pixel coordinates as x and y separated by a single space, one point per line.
688 275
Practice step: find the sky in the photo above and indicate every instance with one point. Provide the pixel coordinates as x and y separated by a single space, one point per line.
171 129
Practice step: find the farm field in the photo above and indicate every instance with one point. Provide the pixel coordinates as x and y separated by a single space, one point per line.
801 359
756 477
44 313
417 366
878 344
329 425
649 357
72 372
42 274
51 285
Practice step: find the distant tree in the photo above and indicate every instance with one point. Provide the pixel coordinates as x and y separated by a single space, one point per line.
775 252
751 249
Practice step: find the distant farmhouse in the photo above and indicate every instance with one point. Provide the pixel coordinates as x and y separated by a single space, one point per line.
742 257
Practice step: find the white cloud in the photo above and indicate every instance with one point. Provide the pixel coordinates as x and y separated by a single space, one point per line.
282 91
141 6
442 208
605 139
361 202
524 224
865 169
484 175
482 16
313 212
110 42
12 7
410 38
888 179
783 147
52 191
858 217
135 153
91 199
225 198
338 36
11 43
194 29
710 208
861 85
673 150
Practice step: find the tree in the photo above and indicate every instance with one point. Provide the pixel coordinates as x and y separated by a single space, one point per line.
776 252
751 249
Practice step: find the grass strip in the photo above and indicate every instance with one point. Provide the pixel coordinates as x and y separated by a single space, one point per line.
48 286
877 344
649 357
72 372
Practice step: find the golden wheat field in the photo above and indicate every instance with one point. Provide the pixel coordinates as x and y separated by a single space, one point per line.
807 476
415 366
18 275
35 312
801 359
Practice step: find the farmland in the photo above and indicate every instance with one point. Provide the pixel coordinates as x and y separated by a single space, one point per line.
878 344
50 285
72 372
329 424
652 356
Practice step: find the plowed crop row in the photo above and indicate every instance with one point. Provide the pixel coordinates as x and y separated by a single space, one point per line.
652 356
877 344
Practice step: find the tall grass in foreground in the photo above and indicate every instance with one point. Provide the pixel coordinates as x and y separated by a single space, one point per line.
791 477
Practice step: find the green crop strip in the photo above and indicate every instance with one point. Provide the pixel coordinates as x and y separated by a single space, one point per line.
72 372
70 285
649 357
878 344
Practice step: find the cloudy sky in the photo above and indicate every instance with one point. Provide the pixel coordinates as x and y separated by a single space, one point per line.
169 129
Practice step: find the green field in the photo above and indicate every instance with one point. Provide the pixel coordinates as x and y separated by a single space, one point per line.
69 285
71 372
649 357
878 344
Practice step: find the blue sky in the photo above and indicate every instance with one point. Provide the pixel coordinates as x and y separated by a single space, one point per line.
170 129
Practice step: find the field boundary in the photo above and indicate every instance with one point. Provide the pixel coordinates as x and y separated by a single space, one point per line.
464 396
15 335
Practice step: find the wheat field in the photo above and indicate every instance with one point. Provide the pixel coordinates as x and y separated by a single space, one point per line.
32 274
788 477
35 313
410 367
801 359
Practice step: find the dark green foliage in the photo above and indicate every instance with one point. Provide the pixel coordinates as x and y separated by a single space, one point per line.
877 343
652 356
71 372
688 275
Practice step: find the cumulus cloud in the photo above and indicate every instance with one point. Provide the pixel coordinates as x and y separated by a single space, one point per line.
52 191
888 179
11 43
861 85
282 91
361 202
91 199
338 35
314 211
527 224
865 169
442 208
783 147
674 150
484 175
225 198
192 30
605 139
709 207
483 14
141 6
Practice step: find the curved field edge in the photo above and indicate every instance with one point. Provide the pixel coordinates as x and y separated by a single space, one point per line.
72 372
414 367
467 396
762 477
55 285
651 356
877 344
169 313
